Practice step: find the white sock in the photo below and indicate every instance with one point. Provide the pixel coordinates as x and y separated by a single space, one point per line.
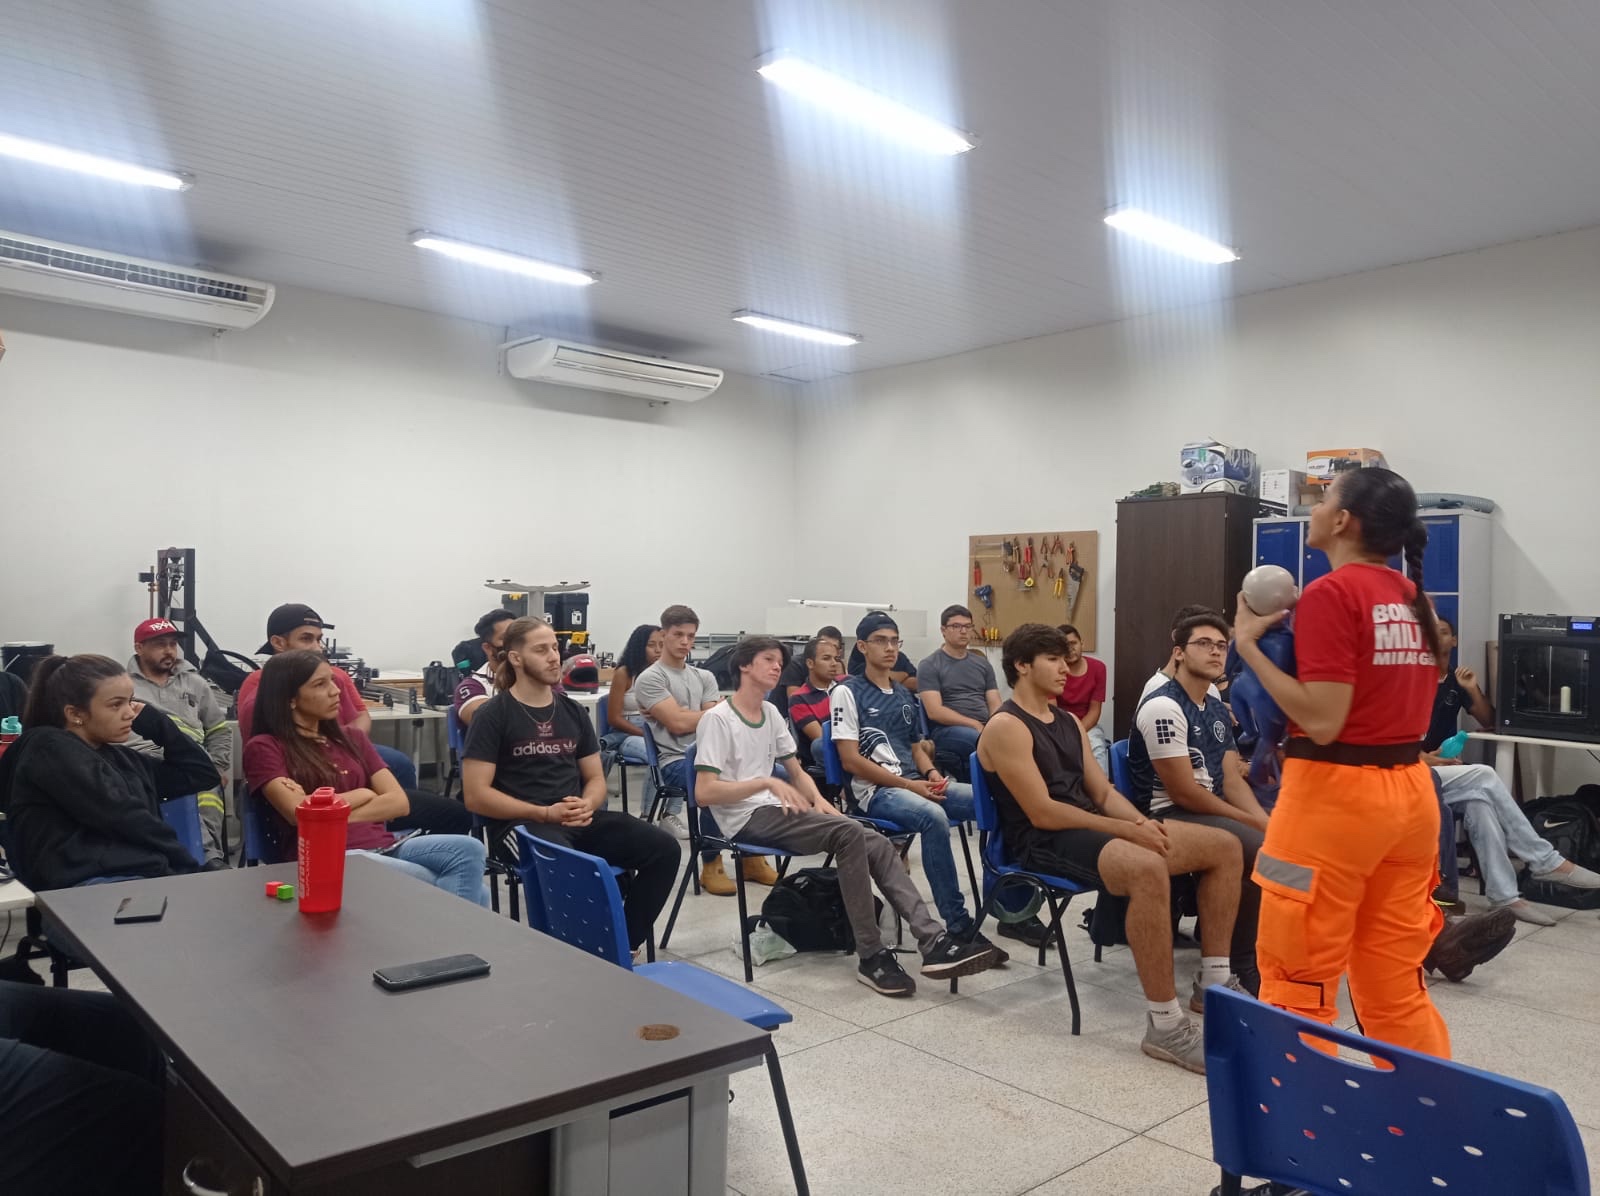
1167 1015
1214 969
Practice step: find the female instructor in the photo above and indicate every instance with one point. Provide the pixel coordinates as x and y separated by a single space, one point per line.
1351 854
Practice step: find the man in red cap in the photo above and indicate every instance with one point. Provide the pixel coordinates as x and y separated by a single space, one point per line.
164 679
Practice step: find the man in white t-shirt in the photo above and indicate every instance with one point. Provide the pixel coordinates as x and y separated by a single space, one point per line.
738 743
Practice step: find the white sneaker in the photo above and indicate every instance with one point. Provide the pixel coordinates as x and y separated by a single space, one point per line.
675 826
1578 878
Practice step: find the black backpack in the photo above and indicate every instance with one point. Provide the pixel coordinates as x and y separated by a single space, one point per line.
806 910
1570 823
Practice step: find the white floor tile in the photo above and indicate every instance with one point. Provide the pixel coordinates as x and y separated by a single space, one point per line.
1137 1167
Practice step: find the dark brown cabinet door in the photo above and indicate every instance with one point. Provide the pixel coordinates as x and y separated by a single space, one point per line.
1171 552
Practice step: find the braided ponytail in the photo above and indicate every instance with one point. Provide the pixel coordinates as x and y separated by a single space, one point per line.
1416 543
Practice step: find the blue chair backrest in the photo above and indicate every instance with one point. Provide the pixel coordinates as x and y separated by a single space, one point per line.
652 754
688 784
983 808
1121 770
579 898
456 733
1286 1111
602 715
832 770
182 814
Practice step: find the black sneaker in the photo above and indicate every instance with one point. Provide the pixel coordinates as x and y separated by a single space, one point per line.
950 957
1030 933
881 972
1464 943
971 935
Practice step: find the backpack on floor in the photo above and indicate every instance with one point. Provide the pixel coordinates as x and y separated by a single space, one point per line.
1571 824
806 909
1106 920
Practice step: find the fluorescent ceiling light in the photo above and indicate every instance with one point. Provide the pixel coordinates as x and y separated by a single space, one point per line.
855 103
498 259
1165 235
103 168
803 332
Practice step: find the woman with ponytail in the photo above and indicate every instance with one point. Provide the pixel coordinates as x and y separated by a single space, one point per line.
80 807
1351 854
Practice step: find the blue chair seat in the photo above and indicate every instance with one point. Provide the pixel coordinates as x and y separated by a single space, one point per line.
709 988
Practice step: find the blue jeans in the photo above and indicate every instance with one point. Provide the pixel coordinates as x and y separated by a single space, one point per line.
398 763
932 820
1497 827
453 863
953 748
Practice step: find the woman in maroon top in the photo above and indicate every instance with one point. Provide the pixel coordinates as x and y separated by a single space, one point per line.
299 746
1084 694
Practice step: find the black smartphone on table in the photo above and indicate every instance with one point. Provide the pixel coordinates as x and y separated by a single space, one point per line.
429 972
141 909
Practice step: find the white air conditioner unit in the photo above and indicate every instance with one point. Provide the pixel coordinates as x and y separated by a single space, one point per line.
49 270
540 359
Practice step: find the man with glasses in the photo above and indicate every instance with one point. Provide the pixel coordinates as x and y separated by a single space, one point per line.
1186 767
958 690
875 730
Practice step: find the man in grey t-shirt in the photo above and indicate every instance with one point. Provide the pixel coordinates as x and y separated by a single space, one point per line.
672 695
959 692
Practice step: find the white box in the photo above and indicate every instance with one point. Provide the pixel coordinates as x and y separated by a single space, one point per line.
1281 488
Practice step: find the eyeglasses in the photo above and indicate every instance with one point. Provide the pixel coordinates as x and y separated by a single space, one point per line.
958 626
1208 645
880 642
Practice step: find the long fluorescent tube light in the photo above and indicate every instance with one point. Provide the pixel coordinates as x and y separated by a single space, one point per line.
499 259
805 332
1165 235
855 103
103 168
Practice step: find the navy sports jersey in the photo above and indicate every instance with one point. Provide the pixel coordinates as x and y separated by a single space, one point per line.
1168 725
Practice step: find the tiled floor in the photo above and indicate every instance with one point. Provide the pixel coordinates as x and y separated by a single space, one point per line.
987 1092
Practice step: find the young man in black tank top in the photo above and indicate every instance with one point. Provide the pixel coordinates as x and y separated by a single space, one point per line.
1059 815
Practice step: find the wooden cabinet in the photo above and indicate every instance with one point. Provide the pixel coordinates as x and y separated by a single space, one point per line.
1172 552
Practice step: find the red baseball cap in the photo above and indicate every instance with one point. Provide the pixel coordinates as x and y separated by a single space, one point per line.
153 629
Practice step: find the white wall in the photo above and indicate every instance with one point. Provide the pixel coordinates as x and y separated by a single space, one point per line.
1478 373
306 460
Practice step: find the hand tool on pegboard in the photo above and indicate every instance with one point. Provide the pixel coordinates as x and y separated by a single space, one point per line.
1075 575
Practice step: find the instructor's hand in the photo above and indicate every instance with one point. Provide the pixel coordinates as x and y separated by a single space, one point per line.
1150 835
1248 626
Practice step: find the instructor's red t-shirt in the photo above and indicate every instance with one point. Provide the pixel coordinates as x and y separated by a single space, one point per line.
1356 626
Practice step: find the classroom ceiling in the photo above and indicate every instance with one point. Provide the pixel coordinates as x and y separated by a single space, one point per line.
634 138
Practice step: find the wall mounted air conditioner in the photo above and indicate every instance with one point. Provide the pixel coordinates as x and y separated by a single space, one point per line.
39 269
540 359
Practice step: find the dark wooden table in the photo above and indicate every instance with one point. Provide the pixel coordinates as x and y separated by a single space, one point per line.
323 1082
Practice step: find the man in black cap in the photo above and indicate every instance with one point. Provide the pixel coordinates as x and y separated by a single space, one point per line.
294 626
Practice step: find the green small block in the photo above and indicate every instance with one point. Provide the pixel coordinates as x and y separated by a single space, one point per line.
285 892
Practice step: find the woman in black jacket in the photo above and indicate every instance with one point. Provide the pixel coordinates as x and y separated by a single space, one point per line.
79 807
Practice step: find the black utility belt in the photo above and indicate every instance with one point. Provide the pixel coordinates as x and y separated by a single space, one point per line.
1378 755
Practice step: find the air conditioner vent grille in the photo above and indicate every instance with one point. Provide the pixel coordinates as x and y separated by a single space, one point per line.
116 270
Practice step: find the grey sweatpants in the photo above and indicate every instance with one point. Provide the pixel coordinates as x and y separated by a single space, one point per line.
861 857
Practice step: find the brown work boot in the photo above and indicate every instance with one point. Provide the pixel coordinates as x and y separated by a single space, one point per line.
758 871
1464 943
714 880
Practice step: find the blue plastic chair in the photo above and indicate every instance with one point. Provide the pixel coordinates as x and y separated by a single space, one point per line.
1058 890
1285 1111
652 756
584 908
1121 770
604 724
182 814
700 841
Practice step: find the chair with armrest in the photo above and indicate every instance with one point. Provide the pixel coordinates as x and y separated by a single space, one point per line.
584 909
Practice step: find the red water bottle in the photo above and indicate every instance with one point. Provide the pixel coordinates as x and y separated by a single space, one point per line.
323 820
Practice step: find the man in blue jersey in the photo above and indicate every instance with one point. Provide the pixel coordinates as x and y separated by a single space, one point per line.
1186 766
876 731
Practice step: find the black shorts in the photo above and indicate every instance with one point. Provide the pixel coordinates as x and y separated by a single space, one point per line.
1070 854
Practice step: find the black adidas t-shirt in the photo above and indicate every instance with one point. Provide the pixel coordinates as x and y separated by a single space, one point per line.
535 751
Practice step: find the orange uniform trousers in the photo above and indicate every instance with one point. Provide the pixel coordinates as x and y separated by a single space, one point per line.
1347 874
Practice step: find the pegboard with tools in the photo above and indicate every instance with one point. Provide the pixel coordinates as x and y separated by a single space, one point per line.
1033 577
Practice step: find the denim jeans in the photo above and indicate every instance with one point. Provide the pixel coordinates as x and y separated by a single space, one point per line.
932 820
453 863
398 763
953 748
1496 826
675 775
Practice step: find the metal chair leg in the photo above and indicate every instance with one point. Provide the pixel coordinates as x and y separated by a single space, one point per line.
512 887
744 926
1057 913
683 887
494 888
791 1142
622 782
1232 1185
966 850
